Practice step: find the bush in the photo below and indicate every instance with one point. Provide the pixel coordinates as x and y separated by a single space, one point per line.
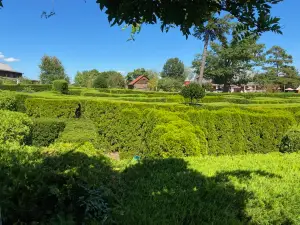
44 131
193 92
15 127
80 132
171 136
61 184
100 82
60 86
8 101
291 140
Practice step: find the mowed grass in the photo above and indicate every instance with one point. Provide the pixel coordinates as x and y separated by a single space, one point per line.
248 189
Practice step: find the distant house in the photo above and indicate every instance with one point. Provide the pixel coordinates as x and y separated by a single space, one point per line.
186 82
7 72
140 83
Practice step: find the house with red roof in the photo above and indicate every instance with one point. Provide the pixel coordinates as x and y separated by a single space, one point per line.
140 83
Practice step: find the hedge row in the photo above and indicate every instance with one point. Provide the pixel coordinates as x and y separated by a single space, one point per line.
151 133
21 87
228 131
14 128
257 94
129 91
44 131
53 108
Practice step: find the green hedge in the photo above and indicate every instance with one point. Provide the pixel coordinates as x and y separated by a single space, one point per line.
61 86
14 128
228 131
151 133
291 140
80 131
240 132
20 87
74 91
8 101
44 131
129 91
53 108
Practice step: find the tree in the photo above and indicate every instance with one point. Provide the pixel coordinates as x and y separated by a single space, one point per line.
278 58
173 68
193 91
214 28
254 15
170 84
114 79
153 80
227 64
86 78
100 82
51 70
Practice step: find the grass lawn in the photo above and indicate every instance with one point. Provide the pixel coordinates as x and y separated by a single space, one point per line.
248 189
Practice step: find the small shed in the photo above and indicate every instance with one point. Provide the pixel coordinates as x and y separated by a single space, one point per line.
140 83
7 72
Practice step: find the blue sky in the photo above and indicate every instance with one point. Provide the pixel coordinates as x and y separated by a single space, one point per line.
80 36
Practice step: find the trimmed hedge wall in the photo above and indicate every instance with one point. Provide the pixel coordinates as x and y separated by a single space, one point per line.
20 87
123 126
129 91
53 108
44 131
291 140
240 132
14 128
151 133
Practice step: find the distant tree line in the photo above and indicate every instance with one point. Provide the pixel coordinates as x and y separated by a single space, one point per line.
230 56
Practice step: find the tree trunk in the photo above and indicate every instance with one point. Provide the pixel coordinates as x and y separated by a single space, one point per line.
226 86
203 61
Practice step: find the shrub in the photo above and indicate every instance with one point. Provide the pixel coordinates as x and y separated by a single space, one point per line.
60 86
171 136
79 131
291 140
54 185
8 101
100 82
193 92
44 131
14 127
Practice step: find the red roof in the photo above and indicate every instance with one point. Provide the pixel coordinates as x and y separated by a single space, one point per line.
137 79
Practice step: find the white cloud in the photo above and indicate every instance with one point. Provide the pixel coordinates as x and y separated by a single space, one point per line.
1 55
11 59
122 72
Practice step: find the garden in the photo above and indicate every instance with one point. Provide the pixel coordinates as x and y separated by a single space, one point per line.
73 155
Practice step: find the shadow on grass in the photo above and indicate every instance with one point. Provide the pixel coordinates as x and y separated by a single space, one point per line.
167 192
74 188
